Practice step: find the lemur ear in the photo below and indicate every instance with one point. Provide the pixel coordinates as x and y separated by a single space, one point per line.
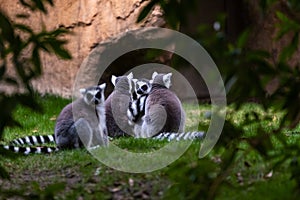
82 91
167 80
102 86
154 75
134 80
130 76
113 80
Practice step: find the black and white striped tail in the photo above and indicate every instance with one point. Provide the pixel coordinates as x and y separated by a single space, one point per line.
30 150
180 136
33 140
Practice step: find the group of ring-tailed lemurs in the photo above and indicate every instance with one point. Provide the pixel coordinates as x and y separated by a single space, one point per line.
138 108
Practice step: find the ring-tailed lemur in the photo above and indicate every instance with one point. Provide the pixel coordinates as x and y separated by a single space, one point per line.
163 110
116 106
142 88
80 122
162 83
136 108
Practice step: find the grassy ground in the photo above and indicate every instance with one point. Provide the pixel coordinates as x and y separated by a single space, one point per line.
75 174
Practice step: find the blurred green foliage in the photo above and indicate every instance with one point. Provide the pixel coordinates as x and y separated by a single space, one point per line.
20 62
15 39
247 73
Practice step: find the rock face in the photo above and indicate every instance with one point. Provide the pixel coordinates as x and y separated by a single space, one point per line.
91 22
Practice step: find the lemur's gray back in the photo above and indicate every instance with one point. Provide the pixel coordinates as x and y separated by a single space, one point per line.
164 112
65 130
116 106
83 118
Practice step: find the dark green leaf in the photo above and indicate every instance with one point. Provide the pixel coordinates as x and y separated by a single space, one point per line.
63 53
36 4
242 39
24 28
7 31
146 10
58 50
11 81
50 2
25 4
287 25
23 16
40 5
2 70
59 32
289 50
36 60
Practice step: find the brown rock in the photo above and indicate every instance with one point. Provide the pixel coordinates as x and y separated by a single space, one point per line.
91 22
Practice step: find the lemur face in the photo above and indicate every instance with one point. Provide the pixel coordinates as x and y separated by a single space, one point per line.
142 86
94 95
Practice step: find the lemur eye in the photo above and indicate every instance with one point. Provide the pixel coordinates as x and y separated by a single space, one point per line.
98 95
144 87
89 96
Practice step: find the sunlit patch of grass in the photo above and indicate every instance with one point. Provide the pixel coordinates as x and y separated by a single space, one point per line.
36 123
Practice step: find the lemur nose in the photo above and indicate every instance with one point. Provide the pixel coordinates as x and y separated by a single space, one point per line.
139 91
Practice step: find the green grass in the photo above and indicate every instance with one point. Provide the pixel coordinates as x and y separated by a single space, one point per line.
85 177
35 123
